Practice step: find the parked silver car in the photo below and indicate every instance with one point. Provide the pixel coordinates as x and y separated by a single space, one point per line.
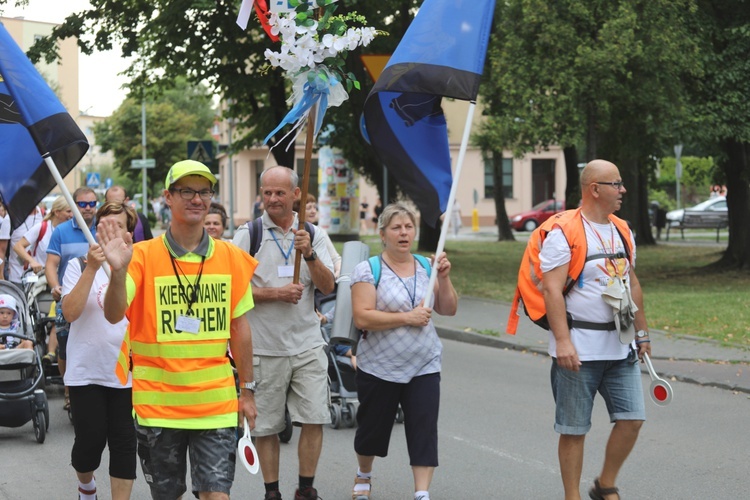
716 204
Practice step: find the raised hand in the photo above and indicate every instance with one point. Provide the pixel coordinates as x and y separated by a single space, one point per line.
116 243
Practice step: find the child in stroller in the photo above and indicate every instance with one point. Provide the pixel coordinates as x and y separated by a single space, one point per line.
9 325
21 374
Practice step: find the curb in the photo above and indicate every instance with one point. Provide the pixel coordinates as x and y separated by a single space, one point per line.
497 343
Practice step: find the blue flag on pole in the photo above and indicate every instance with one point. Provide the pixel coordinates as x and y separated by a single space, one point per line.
33 124
441 54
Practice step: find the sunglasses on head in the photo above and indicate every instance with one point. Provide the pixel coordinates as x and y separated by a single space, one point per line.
84 204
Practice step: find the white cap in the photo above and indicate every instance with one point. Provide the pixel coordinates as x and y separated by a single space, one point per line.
8 302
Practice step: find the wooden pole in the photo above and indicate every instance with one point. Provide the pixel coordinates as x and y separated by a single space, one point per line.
305 183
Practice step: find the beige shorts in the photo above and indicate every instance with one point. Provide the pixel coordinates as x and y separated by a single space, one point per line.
298 382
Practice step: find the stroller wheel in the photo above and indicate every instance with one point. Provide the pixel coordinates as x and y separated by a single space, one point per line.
286 435
335 415
348 415
40 426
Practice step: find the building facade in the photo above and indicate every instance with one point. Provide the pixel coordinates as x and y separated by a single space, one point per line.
527 181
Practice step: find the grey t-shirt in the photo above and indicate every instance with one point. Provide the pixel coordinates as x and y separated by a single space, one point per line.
402 353
281 328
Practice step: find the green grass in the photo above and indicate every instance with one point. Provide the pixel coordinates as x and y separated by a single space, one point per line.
681 295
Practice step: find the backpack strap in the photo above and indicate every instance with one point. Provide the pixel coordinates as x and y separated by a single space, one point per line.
375 266
425 262
255 230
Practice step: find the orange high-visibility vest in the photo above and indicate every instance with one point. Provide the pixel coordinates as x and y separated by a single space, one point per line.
184 380
529 289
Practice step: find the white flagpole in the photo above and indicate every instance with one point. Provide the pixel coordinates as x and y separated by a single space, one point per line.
69 198
451 199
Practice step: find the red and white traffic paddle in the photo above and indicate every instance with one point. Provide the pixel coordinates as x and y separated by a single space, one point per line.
247 453
661 391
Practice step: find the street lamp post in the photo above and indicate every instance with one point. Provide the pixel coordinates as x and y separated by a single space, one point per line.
231 122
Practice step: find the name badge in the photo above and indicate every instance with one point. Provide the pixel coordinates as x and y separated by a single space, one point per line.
286 271
189 324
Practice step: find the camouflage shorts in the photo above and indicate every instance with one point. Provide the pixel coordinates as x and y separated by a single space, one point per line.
162 453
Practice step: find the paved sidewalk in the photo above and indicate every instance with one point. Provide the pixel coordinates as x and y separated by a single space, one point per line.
678 357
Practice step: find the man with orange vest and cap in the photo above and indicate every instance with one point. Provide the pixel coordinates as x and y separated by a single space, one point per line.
185 295
597 326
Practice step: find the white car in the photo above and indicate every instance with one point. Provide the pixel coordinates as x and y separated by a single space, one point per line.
716 204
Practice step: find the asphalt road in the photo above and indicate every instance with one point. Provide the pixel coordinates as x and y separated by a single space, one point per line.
496 441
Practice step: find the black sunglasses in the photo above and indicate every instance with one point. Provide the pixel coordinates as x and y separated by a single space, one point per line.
84 204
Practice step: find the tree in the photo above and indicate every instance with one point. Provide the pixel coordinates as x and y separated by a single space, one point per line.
180 115
601 76
722 113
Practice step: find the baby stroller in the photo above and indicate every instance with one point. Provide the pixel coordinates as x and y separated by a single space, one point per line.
39 298
341 374
21 374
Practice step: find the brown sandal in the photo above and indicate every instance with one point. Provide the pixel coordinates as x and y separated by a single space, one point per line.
598 493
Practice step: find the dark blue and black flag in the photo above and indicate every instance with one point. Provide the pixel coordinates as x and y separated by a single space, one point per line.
33 124
441 54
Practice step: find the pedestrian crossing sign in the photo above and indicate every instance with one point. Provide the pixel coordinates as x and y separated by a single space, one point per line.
201 151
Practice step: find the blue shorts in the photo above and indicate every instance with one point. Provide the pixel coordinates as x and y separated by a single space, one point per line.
163 458
618 381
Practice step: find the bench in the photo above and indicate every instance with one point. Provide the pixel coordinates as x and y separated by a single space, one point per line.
705 219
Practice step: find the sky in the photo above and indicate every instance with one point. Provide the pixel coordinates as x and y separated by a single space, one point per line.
98 80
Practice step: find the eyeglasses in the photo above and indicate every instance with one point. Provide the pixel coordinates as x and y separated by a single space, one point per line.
84 204
616 185
189 194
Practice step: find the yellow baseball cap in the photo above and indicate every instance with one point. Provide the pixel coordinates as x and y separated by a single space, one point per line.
188 167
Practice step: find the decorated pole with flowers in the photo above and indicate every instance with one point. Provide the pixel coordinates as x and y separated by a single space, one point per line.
314 46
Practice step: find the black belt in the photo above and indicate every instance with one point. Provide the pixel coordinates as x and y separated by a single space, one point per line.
589 325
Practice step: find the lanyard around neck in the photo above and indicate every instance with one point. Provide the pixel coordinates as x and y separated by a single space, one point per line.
285 255
611 260
412 295
189 301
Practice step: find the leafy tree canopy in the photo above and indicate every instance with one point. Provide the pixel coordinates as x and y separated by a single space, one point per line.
181 114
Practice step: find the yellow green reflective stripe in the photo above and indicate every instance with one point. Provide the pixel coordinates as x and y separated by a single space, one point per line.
182 378
209 422
245 304
157 398
180 351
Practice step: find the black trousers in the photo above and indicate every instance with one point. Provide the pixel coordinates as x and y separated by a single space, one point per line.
101 416
378 404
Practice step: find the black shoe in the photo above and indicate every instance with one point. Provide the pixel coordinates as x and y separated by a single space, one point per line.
272 495
309 493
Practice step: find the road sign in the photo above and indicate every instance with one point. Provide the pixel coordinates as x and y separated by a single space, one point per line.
147 163
202 151
108 183
93 180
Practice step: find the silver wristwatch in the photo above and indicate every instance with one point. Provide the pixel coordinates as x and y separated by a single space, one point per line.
250 386
641 333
